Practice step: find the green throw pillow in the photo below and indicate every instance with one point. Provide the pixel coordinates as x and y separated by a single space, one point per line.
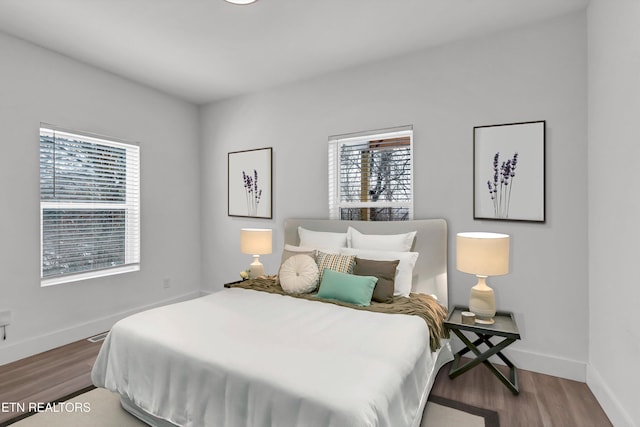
347 287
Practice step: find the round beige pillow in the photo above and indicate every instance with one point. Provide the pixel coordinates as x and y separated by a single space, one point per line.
299 274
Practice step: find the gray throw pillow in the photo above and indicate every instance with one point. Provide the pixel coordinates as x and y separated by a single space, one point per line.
385 271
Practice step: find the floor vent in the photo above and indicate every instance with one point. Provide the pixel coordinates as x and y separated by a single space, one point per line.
98 338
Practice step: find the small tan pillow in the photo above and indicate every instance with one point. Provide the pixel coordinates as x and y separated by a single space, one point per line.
299 275
335 262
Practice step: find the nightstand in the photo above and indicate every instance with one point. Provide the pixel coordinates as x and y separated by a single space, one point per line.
504 327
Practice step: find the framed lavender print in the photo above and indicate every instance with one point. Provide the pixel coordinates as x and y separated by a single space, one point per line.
509 172
249 183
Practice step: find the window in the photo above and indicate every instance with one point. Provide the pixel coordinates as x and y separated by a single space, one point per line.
89 206
371 175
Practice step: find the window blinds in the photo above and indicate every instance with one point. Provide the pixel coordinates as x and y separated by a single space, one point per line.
371 176
89 206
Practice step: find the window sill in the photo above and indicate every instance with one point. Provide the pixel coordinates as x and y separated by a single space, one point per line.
88 275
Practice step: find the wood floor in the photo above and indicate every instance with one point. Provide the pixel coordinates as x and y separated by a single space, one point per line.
46 376
543 401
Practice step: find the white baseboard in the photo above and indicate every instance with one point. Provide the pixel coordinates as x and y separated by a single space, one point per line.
549 364
618 416
541 363
48 341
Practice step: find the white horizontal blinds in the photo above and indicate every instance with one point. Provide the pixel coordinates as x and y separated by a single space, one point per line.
371 177
90 205
334 209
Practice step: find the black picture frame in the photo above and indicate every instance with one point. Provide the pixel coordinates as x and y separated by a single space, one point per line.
509 172
249 183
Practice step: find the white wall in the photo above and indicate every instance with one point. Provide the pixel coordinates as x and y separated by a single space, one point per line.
614 207
532 73
36 86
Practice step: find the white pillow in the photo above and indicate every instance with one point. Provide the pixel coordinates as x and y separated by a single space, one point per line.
377 242
299 274
290 251
321 239
404 272
292 248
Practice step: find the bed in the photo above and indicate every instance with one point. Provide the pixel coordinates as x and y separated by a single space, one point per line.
241 357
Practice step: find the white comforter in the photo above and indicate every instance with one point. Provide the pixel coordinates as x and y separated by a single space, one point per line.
247 358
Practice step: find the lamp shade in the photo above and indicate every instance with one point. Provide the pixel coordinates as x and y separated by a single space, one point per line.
255 241
483 254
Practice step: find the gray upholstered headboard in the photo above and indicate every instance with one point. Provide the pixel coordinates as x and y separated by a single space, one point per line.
430 271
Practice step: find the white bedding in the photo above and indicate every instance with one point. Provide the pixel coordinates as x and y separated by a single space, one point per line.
259 359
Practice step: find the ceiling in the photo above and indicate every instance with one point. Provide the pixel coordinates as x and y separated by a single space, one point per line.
206 50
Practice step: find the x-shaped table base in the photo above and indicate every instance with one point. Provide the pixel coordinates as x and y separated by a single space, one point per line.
456 370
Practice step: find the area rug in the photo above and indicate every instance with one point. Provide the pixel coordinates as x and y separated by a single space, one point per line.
98 407
443 412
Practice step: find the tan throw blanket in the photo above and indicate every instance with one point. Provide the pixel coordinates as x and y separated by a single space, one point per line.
424 306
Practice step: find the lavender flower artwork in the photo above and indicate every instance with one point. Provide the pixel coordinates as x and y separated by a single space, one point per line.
252 192
253 196
501 185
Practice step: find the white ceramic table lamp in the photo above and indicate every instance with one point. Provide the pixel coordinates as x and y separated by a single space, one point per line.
256 242
482 254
